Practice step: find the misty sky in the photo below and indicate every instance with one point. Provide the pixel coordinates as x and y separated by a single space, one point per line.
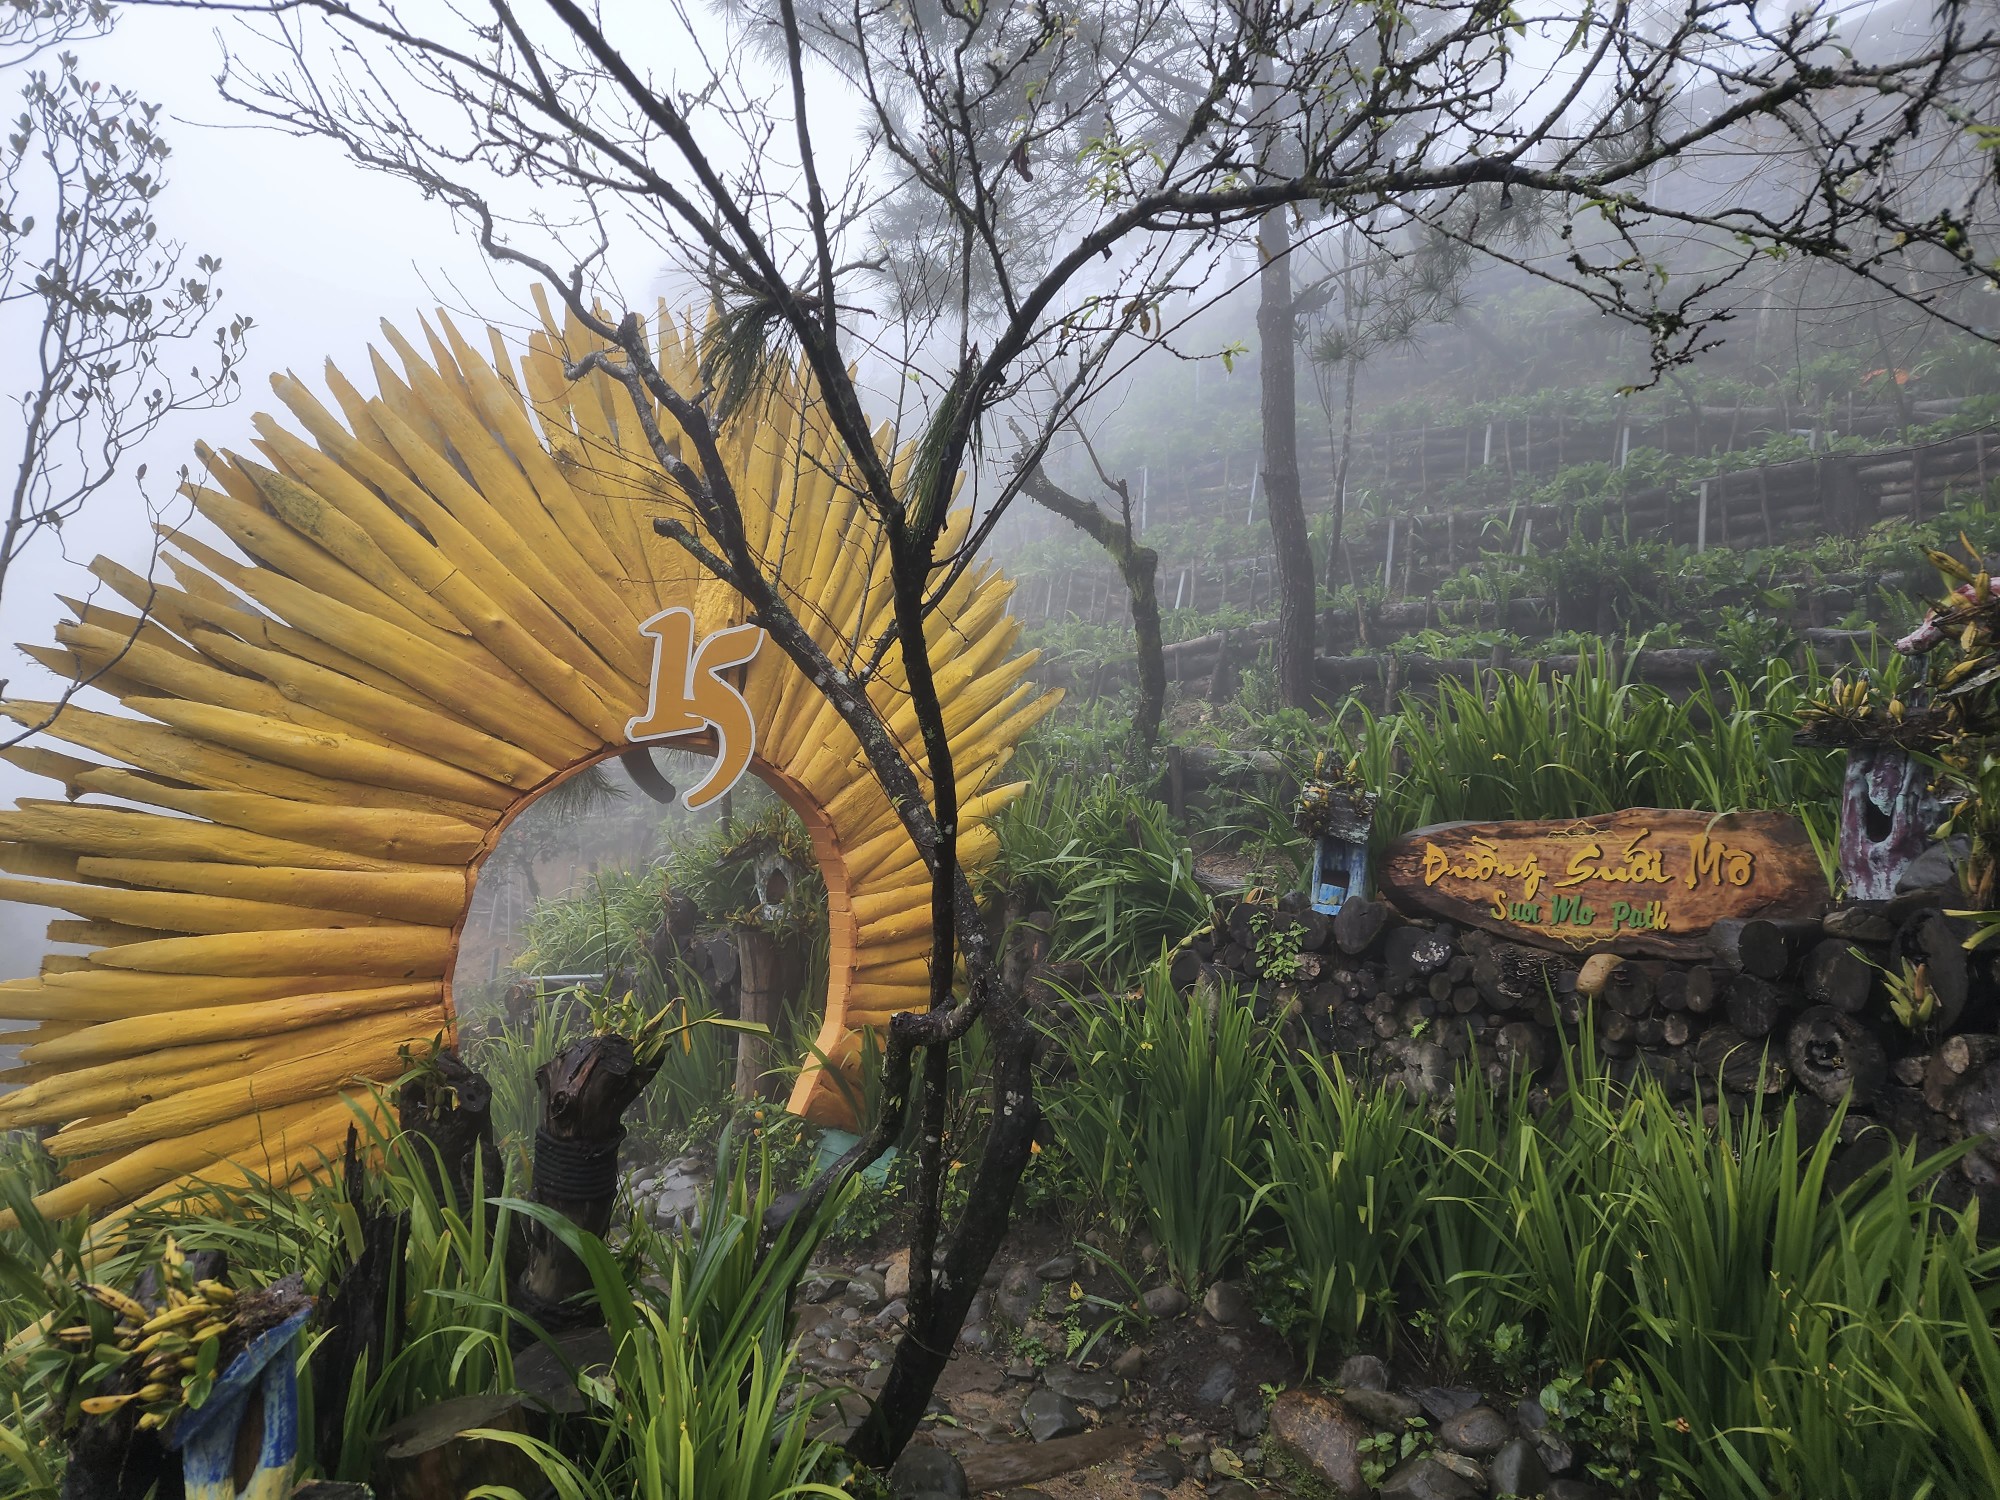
315 250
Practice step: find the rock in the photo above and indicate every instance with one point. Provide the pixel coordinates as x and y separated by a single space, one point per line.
1218 1386
1087 1388
1005 1465
843 1351
1478 1431
819 1287
1362 1372
1248 1419
1233 1489
1021 1368
677 1205
1018 1296
1517 1470
1573 1489
1558 1455
1861 922
976 1337
1385 1410
1936 866
927 1473
1048 1415
1162 1468
1321 1436
893 1315
548 1376
1444 1403
1531 1414
1058 1268
1165 1301
1463 1467
1596 973
865 1290
1424 1478
1131 1364
1226 1302
896 1280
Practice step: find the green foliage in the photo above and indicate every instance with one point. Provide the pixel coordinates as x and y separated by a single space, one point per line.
701 1400
689 1095
601 929
1345 1188
1694 1298
1105 860
1581 741
451 1284
606 926
1159 1116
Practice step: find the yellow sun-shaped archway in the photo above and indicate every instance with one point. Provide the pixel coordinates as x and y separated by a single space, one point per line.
440 609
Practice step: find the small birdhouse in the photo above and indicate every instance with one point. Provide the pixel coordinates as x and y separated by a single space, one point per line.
777 881
1338 814
1888 814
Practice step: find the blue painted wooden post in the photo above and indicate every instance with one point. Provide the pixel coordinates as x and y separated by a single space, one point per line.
207 1438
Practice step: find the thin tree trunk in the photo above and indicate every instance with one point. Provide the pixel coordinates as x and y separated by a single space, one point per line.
1297 583
1139 567
935 1319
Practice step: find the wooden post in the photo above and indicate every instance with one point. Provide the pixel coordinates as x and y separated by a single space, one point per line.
758 1000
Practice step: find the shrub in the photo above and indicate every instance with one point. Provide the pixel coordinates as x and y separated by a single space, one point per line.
1106 862
1161 1114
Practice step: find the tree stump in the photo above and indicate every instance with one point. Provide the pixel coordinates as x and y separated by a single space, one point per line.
1834 1057
586 1089
427 1456
448 1108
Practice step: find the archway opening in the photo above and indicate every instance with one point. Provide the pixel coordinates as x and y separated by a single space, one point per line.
602 897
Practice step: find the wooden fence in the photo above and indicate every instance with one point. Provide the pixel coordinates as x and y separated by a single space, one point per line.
1773 504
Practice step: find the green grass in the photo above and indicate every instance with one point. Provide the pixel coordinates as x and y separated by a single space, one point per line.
1105 860
703 1401
1582 741
1159 1115
1698 1300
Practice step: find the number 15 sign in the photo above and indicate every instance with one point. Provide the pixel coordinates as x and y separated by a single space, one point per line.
690 694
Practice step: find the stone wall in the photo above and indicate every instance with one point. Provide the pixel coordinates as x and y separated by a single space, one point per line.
1805 1011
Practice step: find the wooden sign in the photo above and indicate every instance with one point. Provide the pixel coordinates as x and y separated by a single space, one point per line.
1645 881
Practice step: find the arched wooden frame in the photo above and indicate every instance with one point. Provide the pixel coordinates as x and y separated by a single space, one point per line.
434 618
